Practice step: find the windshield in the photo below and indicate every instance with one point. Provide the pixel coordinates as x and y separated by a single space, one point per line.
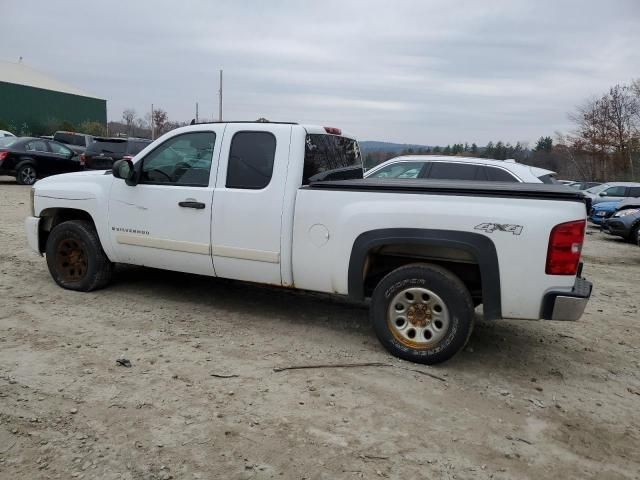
324 154
7 141
597 189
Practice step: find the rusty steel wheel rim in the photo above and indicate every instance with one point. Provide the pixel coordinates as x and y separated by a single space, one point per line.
71 260
418 318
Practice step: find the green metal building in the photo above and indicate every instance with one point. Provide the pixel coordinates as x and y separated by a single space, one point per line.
33 102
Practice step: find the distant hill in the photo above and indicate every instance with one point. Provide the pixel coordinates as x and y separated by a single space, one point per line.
374 146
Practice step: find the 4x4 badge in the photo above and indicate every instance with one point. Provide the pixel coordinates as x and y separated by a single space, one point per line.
500 227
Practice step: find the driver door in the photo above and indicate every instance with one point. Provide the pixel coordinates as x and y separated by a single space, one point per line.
165 220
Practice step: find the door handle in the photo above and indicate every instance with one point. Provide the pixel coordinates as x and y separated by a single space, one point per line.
192 204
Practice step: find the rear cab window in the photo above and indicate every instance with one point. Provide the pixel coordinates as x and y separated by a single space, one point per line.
107 146
331 157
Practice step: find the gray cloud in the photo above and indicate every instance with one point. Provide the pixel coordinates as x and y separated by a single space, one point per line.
410 71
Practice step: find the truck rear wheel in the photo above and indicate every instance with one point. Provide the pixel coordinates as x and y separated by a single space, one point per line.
422 313
75 257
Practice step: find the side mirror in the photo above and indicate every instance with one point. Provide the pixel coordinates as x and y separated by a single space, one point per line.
124 169
603 194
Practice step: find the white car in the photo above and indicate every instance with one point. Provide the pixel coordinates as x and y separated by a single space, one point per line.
237 200
613 191
4 133
460 168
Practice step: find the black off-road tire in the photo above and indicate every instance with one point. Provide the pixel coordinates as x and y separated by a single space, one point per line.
442 283
633 234
21 173
76 243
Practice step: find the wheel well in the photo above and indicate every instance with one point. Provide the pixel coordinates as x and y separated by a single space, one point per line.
51 217
382 260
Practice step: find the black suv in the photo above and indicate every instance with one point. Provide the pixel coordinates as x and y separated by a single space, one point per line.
101 154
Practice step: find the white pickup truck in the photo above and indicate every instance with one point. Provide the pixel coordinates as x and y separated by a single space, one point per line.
278 204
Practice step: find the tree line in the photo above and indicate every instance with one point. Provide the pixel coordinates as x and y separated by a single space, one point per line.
604 145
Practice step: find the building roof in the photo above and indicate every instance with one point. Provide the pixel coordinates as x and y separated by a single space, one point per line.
21 74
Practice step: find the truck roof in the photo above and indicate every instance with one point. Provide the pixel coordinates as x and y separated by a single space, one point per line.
313 129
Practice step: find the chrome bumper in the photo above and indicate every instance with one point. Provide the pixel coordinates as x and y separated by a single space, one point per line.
567 306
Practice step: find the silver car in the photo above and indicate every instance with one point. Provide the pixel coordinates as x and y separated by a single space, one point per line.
613 191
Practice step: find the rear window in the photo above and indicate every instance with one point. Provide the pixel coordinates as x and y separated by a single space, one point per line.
7 141
107 146
324 153
549 179
63 137
136 146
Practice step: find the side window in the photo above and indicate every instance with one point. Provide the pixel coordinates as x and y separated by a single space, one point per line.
59 149
80 141
399 170
634 192
182 160
136 147
498 175
616 191
452 171
251 160
36 146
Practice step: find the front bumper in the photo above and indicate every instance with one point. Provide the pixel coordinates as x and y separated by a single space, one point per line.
616 227
32 226
567 306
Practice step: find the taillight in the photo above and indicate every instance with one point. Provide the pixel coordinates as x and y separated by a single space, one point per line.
83 159
3 155
333 130
128 157
565 246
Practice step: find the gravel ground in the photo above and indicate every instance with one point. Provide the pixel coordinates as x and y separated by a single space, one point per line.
202 400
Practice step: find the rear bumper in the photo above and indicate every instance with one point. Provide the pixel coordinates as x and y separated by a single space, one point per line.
567 306
32 226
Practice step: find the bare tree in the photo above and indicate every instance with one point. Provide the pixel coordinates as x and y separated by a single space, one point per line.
159 121
129 116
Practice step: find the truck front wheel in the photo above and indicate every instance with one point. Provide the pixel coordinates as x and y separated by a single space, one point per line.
422 313
75 257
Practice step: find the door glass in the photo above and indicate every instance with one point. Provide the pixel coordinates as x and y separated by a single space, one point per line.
181 160
251 160
634 192
36 146
399 170
452 171
616 191
59 149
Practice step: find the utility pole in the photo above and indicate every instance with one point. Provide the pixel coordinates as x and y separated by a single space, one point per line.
220 93
152 129
196 112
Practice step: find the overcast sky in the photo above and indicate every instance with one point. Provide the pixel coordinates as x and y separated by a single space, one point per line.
427 72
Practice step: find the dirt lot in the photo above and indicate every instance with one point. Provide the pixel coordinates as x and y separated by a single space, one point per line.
524 400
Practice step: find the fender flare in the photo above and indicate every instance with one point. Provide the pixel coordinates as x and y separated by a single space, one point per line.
479 246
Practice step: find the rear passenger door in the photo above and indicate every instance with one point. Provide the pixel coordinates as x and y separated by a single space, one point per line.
248 202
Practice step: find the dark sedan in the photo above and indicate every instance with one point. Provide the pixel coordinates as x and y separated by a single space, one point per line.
624 223
28 158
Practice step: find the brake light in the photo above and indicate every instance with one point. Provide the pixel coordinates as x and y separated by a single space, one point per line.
83 159
333 130
3 155
565 246
128 157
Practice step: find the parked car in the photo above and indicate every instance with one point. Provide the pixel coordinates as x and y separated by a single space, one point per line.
601 211
235 200
78 142
4 133
460 168
104 151
29 158
624 223
584 185
613 191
